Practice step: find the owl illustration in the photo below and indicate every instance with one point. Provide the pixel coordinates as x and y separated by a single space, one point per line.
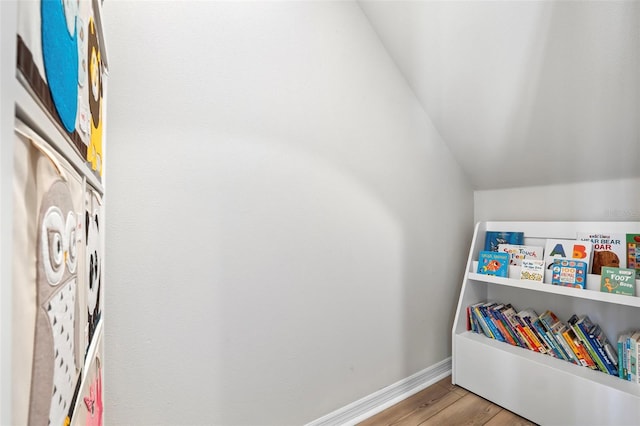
94 268
55 364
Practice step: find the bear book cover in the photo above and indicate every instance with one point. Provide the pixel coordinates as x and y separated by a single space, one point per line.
608 250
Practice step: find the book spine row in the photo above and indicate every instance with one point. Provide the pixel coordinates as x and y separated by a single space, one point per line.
578 341
628 350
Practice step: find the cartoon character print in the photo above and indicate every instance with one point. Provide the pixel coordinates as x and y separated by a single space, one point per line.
55 367
492 266
94 60
94 269
93 402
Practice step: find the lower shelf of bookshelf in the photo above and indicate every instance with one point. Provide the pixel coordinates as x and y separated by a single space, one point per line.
540 388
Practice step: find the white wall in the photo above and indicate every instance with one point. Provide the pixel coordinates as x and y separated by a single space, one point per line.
614 200
516 88
8 12
285 227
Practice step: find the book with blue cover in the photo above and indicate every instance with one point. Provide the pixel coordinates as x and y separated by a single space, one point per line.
493 263
581 330
590 331
569 273
494 238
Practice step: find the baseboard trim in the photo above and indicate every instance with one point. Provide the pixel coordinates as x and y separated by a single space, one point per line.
386 397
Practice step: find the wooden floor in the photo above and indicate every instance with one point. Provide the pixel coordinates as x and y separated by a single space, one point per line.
445 404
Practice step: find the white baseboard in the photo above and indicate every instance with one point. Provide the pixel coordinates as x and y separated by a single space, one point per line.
372 404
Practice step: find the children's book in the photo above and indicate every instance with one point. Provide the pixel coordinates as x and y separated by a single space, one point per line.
577 323
623 356
567 249
532 270
530 318
605 349
633 355
558 330
480 321
493 263
569 273
633 253
495 332
608 250
578 348
635 339
526 331
495 238
501 324
554 327
507 312
517 252
594 339
618 281
510 315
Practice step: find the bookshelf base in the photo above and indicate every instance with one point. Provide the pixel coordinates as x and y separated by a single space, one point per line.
540 388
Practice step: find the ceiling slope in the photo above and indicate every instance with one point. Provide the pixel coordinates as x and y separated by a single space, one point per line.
524 93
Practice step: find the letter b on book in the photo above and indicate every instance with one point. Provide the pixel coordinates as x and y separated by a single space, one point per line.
579 251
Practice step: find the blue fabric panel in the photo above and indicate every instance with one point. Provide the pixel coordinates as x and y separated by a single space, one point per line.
60 54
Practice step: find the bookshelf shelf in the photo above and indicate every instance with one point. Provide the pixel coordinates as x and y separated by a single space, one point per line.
617 299
539 387
554 363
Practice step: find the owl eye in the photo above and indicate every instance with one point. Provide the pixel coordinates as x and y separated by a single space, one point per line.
55 249
72 254
53 244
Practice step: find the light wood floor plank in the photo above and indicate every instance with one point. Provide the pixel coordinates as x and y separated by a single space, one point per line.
401 409
427 410
507 418
445 404
446 382
468 410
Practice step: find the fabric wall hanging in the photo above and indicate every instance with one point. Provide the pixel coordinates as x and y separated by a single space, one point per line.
60 59
94 274
94 152
48 342
90 407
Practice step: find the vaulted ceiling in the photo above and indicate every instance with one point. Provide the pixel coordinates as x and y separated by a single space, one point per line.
527 92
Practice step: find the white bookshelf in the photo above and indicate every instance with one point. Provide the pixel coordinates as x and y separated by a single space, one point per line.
539 387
